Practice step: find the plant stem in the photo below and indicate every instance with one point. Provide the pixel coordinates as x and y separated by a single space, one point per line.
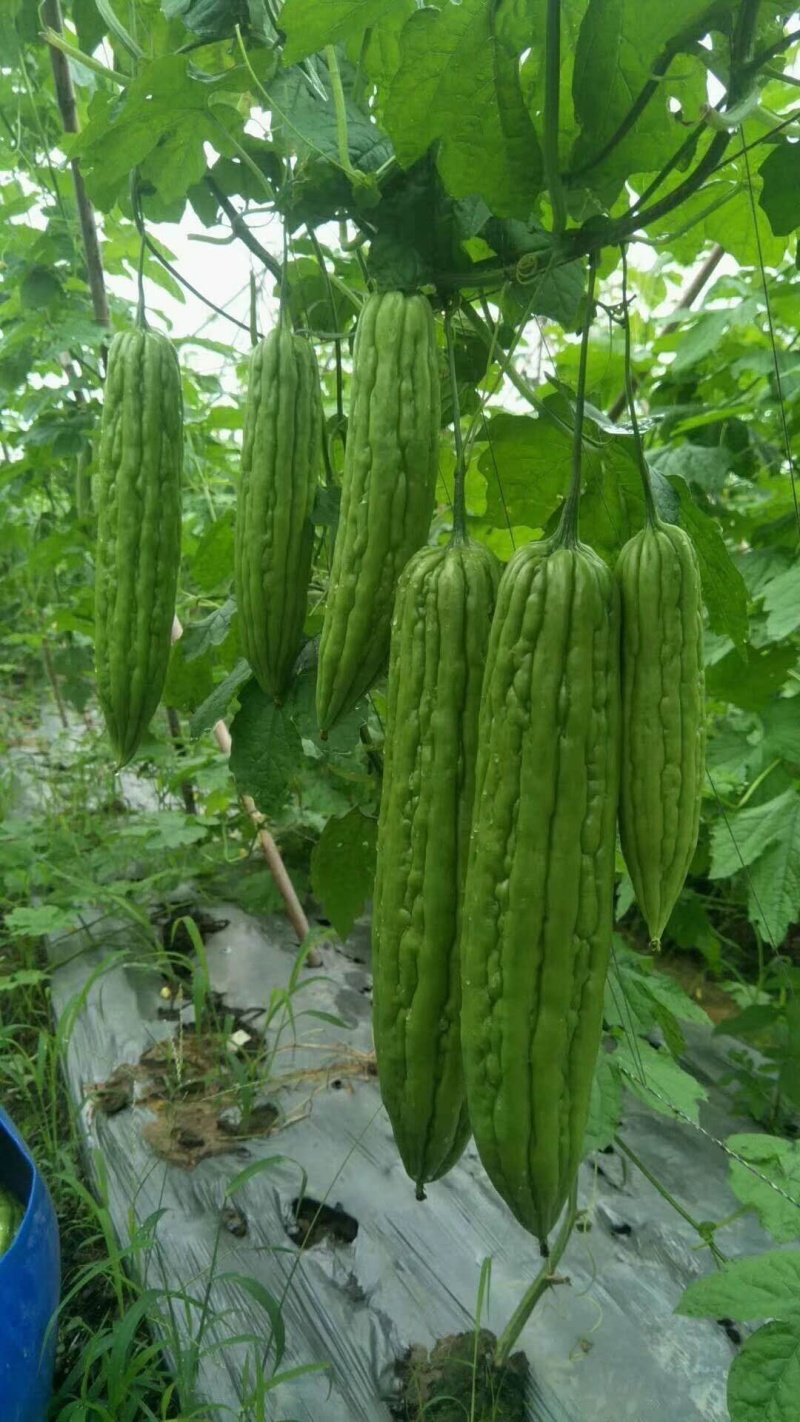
53 679
716 1252
659 70
65 95
240 229
460 473
650 512
566 535
544 1280
552 81
687 299
253 311
176 736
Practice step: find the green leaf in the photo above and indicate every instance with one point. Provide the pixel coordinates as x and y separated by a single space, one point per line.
765 839
764 1380
752 684
307 123
23 978
773 891
702 468
162 117
779 1161
739 839
214 707
556 293
311 24
724 590
200 637
782 603
458 83
342 739
39 287
605 1105
702 338
266 752
164 829
780 194
618 46
189 683
655 1077
343 868
213 558
669 994
765 1286
526 466
781 722
38 922
210 19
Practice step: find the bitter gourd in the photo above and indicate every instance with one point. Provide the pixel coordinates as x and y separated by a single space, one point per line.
281 458
388 487
540 878
440 633
138 548
663 715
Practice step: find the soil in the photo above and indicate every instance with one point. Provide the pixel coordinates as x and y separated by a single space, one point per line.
458 1379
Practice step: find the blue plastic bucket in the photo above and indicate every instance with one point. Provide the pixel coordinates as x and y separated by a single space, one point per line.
30 1282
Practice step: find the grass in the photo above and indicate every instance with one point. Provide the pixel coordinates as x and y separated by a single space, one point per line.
114 1331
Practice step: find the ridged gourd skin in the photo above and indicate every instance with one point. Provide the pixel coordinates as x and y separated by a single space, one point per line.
388 489
663 715
281 464
538 910
440 635
138 550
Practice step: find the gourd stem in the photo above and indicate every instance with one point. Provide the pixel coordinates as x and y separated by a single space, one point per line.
283 284
650 511
544 1280
460 474
253 311
136 204
566 535
552 81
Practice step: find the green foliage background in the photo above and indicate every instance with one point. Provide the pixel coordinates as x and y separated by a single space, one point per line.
440 146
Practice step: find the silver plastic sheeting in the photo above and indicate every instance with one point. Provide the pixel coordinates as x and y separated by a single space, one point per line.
605 1348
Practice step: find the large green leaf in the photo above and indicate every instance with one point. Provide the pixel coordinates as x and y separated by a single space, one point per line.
311 24
767 1286
724 591
343 868
764 1380
267 751
619 46
458 83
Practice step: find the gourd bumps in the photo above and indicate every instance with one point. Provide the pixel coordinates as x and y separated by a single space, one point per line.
388 487
538 908
663 717
440 634
138 548
281 458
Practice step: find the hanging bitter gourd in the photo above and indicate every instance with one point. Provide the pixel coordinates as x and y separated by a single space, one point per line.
281 460
538 906
388 487
663 715
138 549
440 632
